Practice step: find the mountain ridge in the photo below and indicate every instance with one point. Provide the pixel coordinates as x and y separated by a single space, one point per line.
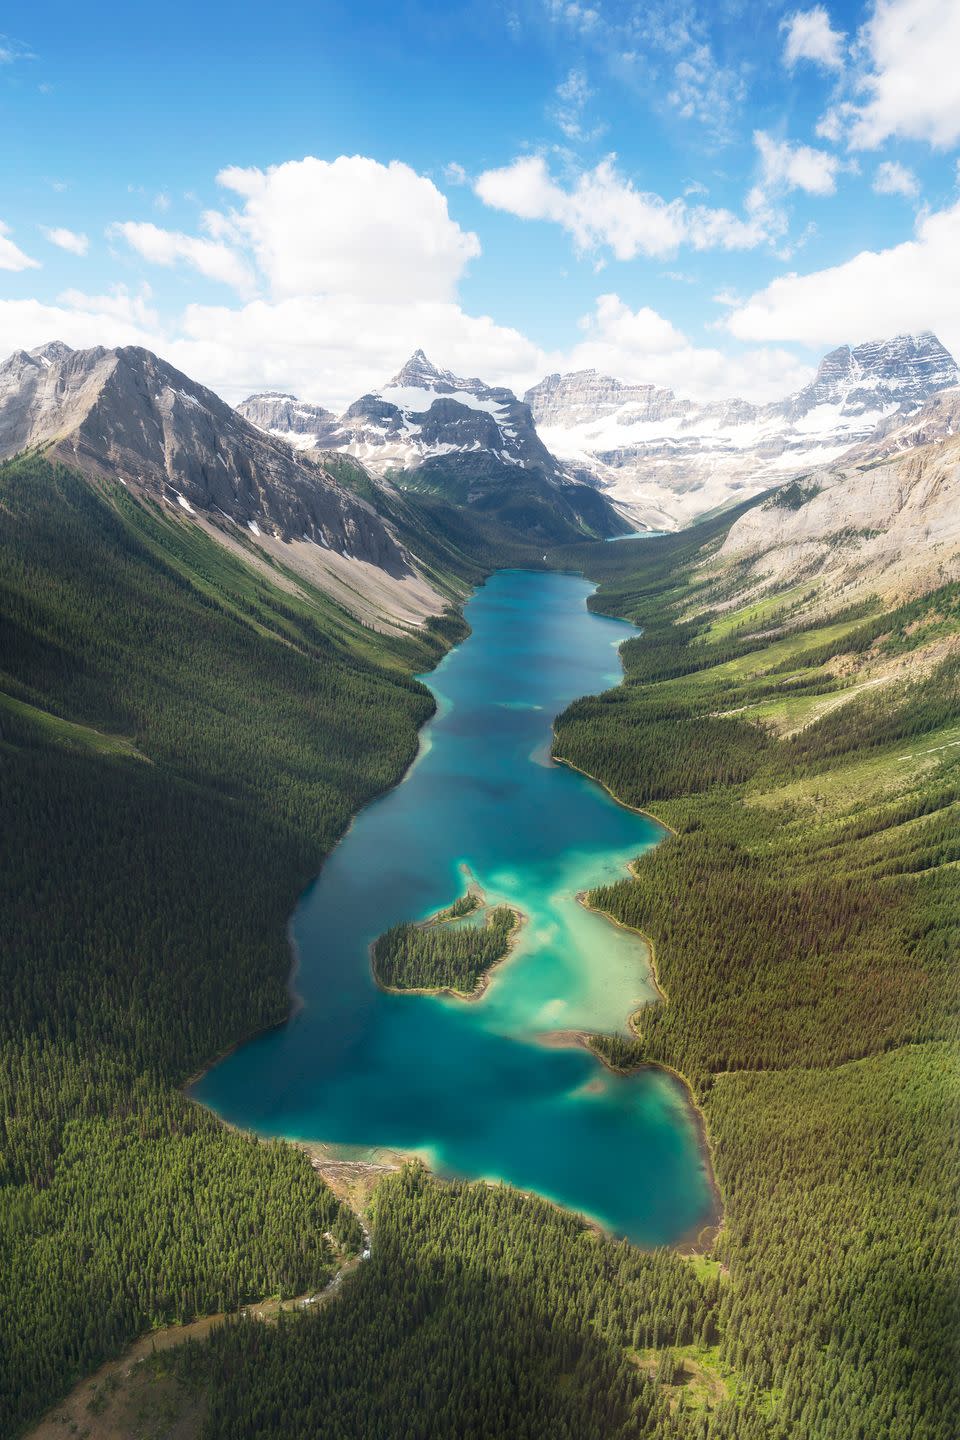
667 459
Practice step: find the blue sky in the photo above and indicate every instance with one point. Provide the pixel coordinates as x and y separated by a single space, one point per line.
703 196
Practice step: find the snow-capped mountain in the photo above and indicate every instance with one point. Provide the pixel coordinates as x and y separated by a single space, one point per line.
474 444
668 460
422 412
126 414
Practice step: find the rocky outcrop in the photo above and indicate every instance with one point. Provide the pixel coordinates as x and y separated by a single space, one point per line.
667 460
293 420
127 414
890 525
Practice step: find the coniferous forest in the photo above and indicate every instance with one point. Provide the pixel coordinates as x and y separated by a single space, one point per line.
444 954
183 737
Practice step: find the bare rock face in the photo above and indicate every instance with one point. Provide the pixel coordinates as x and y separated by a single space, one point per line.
587 395
127 414
890 525
293 420
667 460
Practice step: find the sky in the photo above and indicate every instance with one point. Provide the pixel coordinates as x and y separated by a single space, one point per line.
701 196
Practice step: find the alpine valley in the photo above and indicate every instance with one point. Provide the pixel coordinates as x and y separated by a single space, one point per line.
598 1081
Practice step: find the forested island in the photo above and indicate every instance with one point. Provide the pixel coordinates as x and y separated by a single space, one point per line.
453 950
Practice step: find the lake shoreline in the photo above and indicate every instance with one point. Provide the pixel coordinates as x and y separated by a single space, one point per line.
469 997
687 1242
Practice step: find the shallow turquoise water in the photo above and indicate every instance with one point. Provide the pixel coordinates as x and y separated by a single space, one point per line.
471 1086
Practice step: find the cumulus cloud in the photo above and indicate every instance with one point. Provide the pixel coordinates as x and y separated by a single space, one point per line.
211 258
25 324
349 226
911 286
644 347
331 349
810 36
119 304
892 178
604 208
784 166
69 240
11 256
905 84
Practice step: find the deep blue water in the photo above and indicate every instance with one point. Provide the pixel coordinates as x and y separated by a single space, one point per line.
471 1086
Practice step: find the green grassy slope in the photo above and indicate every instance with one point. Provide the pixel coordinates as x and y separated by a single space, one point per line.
806 924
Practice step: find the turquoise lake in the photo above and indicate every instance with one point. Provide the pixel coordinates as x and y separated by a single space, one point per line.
471 1086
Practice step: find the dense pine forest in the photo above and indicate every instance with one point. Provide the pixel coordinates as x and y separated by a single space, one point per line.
804 917
182 739
445 953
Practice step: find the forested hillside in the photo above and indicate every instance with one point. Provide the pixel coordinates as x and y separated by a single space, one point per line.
182 738
805 918
805 924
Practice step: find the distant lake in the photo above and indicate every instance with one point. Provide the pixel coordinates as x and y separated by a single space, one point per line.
469 1086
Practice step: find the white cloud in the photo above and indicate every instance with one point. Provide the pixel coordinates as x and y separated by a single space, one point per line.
12 50
70 240
644 347
810 36
604 208
892 178
572 96
25 324
11 256
165 247
119 304
906 81
350 226
909 287
704 90
795 167
454 173
331 349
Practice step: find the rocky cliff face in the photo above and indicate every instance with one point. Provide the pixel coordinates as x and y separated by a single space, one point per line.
668 460
587 395
287 417
125 413
899 373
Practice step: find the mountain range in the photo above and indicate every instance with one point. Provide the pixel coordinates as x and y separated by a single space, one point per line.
659 459
473 444
666 460
432 474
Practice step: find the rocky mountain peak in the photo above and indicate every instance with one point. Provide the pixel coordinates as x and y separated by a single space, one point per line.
421 373
129 415
278 413
586 395
877 375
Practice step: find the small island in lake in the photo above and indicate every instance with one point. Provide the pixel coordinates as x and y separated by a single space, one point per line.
452 951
